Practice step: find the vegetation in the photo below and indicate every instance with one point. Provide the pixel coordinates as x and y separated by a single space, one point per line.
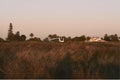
75 58
10 33
39 60
113 38
17 37
1 40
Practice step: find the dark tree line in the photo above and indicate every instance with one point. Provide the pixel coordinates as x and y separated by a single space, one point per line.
18 37
114 37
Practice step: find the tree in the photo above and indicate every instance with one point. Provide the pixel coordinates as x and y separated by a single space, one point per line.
114 37
10 33
46 40
17 36
68 39
81 38
23 37
36 39
53 36
106 37
88 38
31 35
1 40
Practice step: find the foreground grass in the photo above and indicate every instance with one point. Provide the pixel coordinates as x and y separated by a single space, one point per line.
59 60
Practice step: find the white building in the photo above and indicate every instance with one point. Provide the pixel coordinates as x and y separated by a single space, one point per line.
59 39
96 39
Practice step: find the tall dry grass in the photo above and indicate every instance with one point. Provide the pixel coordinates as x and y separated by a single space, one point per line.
39 60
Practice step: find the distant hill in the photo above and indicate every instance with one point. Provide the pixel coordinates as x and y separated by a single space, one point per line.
39 60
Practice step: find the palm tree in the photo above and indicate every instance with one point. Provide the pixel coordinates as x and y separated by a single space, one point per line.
31 35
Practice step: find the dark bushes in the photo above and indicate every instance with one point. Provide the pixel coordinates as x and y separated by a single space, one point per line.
64 68
34 60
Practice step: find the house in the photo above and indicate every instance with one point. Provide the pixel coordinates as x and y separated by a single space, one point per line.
96 39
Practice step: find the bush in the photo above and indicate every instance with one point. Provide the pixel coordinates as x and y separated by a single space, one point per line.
39 60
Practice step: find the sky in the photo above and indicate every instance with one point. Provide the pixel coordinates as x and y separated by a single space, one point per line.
62 17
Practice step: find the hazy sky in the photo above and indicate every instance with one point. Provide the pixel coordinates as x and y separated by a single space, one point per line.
63 17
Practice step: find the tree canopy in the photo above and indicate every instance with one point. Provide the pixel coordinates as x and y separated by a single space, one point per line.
18 37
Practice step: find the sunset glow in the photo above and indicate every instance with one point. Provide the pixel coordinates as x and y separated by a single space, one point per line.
63 17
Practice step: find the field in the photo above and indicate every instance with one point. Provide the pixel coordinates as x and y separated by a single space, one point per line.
49 60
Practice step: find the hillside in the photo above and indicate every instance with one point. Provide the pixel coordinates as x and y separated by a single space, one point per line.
59 60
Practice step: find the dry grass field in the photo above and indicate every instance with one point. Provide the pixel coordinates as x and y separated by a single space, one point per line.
49 60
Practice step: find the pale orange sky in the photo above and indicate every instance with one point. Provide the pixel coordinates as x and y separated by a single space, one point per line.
63 17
